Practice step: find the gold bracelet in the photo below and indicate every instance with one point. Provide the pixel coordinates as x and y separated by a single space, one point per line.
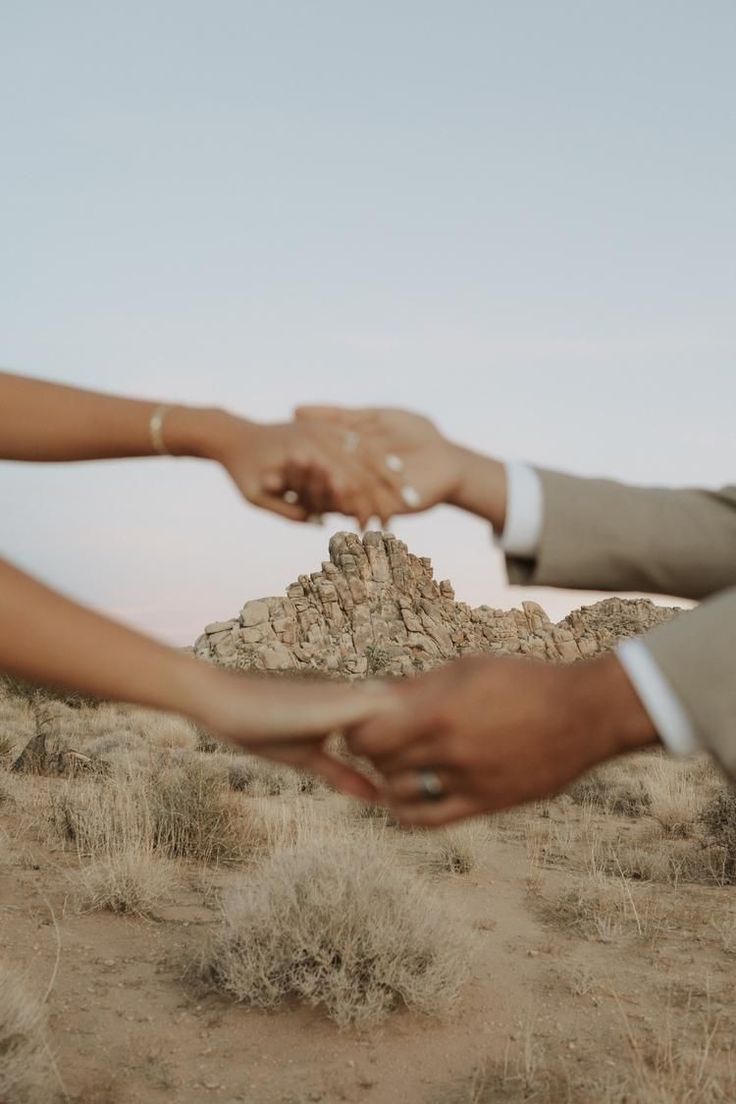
156 427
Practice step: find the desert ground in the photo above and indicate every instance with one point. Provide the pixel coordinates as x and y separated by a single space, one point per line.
181 923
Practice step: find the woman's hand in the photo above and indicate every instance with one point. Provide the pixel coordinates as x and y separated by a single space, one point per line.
288 721
302 470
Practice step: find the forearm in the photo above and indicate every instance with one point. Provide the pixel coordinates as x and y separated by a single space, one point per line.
49 639
43 421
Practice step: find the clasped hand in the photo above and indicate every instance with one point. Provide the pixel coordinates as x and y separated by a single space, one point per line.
487 732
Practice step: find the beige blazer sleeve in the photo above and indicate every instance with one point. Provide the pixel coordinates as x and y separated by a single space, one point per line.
696 652
601 535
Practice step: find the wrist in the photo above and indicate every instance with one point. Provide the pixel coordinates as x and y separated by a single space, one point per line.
481 486
606 709
203 432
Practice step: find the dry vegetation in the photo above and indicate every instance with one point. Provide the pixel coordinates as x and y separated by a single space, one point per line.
585 946
340 925
26 1071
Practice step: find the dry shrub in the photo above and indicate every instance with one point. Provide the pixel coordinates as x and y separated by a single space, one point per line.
676 802
182 810
456 850
338 924
604 908
25 1069
100 817
612 791
194 816
261 778
719 820
134 882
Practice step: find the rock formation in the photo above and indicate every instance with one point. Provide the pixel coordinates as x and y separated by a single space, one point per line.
376 607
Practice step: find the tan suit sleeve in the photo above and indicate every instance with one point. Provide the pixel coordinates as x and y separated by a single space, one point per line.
601 535
696 652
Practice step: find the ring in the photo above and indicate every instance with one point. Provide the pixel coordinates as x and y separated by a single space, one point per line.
394 463
411 497
430 786
351 441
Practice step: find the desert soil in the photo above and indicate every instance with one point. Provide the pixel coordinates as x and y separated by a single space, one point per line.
567 1002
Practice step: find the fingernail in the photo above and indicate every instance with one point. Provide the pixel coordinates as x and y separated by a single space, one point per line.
315 519
410 496
394 463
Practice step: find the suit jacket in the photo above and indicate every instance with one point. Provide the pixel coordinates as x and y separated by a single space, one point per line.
601 535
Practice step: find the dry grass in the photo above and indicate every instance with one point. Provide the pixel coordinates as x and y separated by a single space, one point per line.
184 810
26 1075
135 882
338 925
661 1066
455 850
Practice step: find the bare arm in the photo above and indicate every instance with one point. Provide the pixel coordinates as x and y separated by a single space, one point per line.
47 638
50 421
41 421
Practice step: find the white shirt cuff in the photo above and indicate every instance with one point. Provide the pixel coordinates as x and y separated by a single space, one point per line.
659 699
522 531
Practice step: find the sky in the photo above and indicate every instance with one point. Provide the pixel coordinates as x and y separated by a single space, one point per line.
517 218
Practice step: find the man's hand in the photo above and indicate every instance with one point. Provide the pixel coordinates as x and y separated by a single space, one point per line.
496 732
430 464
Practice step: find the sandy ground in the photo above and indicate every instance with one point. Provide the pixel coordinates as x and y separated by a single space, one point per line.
554 1012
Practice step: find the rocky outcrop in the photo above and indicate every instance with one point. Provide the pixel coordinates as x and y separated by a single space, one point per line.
375 607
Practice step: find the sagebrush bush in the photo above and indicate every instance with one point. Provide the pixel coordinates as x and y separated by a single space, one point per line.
25 1071
619 795
195 817
338 924
134 882
181 809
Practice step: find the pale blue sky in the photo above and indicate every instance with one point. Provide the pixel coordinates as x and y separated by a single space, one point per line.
515 217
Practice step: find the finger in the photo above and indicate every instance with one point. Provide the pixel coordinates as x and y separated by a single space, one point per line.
343 778
379 461
348 490
387 733
294 511
334 772
432 814
312 757
295 480
406 787
317 490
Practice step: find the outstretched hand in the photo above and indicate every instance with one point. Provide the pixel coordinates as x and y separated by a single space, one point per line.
484 733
